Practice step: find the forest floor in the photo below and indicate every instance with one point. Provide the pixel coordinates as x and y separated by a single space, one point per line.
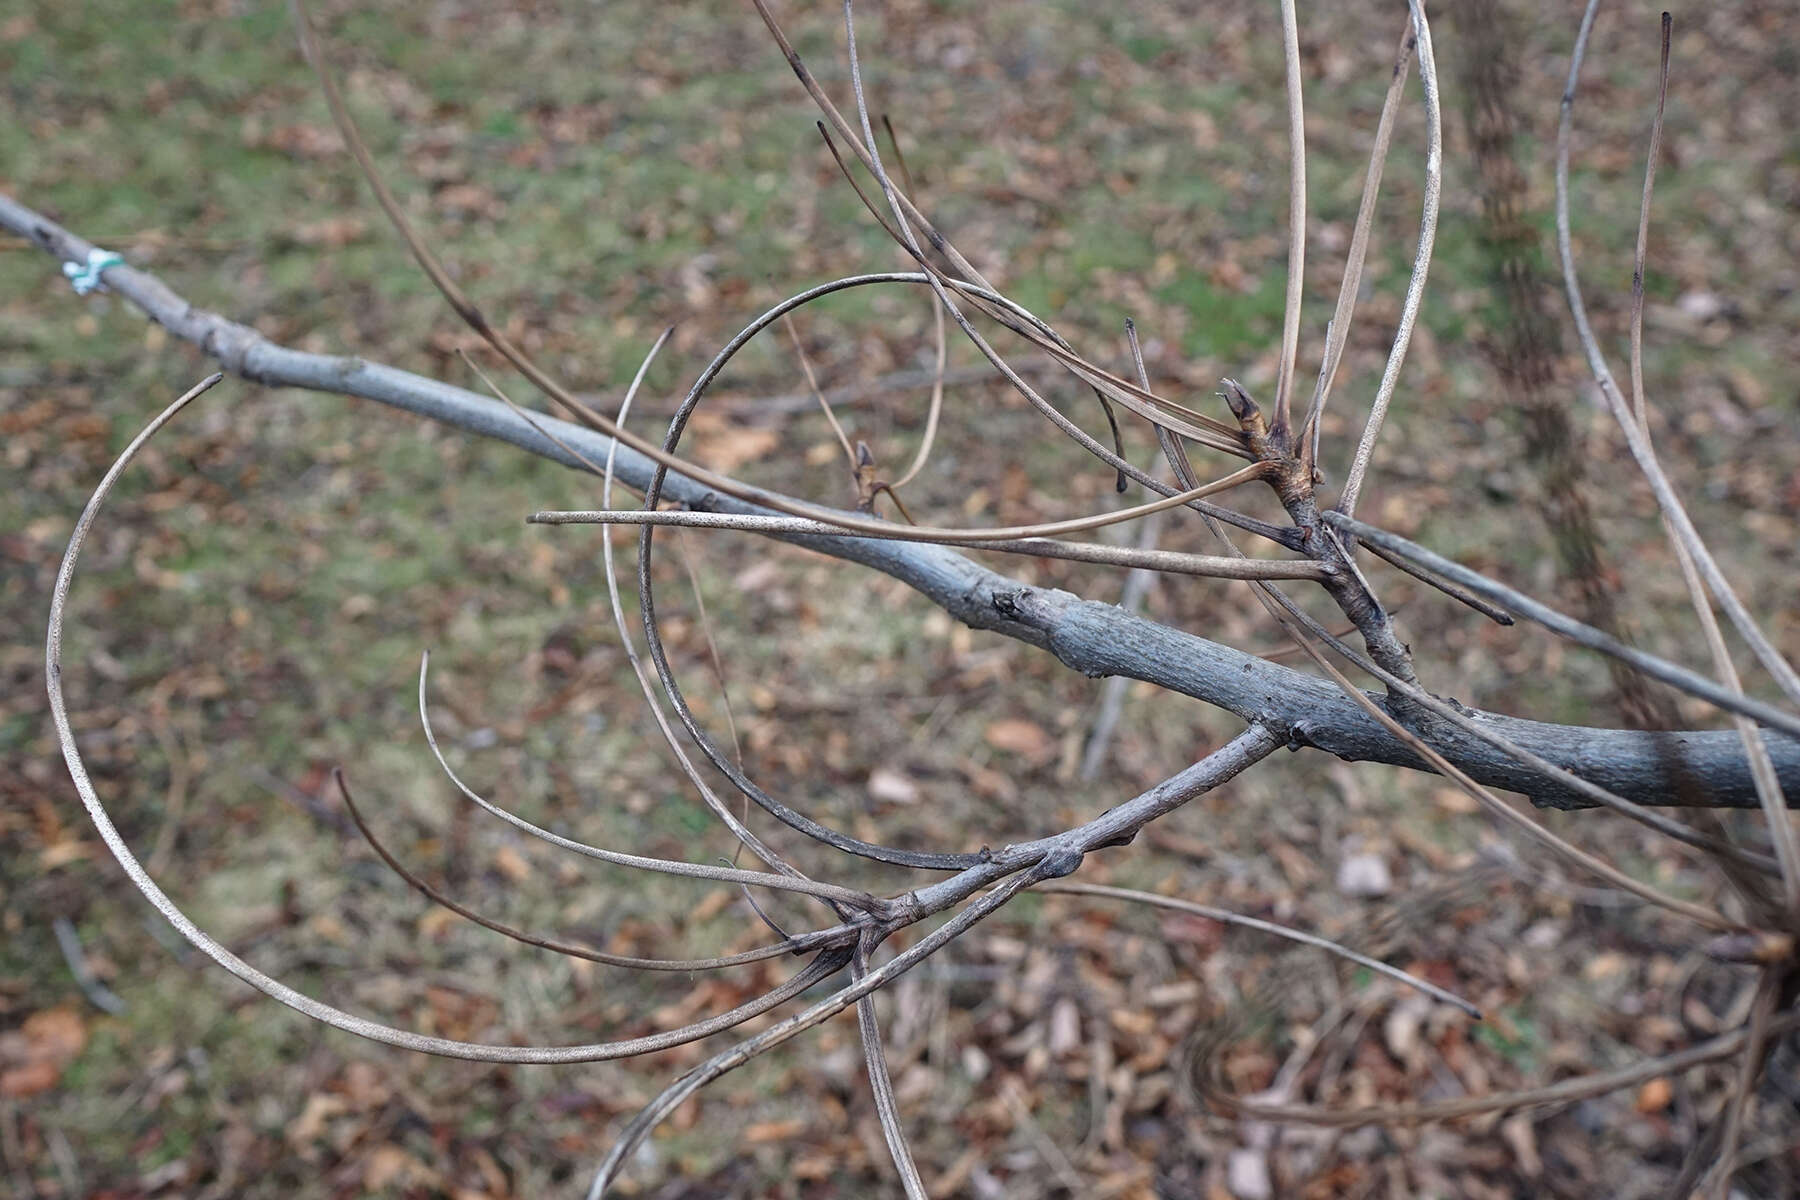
253 606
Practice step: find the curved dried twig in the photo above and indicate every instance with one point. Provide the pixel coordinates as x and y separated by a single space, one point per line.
1227 917
837 935
812 384
1176 417
937 400
1033 329
730 820
775 808
1569 1091
1415 287
823 965
851 524
1337 332
1296 263
707 794
1642 451
1196 425
654 1113
738 830
887 1106
1205 566
1756 750
712 646
618 858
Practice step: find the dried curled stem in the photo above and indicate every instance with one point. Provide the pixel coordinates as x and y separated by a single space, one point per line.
824 964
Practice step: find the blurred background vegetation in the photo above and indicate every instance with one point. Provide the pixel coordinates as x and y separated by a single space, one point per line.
253 607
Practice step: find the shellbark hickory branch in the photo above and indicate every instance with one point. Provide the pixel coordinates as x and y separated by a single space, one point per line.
1653 768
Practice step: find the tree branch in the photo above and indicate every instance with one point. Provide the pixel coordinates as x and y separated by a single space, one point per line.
1097 639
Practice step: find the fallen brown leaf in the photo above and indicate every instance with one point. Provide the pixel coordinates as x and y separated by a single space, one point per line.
32 1057
1018 736
1655 1095
725 445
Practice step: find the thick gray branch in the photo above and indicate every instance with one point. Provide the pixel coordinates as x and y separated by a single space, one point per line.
1706 768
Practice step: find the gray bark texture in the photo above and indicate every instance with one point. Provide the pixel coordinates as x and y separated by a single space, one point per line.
1704 768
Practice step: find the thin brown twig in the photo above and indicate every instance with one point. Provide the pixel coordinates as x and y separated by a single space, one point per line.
823 965
939 339
1137 587
686 558
839 935
738 825
1227 917
812 384
712 646
932 413
1641 251
1642 449
739 830
662 866
1337 333
935 533
1296 261
1756 751
1170 561
1568 1091
1415 287
1756 1046
1461 595
476 320
881 1084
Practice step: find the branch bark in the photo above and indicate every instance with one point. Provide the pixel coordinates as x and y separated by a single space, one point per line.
1652 768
